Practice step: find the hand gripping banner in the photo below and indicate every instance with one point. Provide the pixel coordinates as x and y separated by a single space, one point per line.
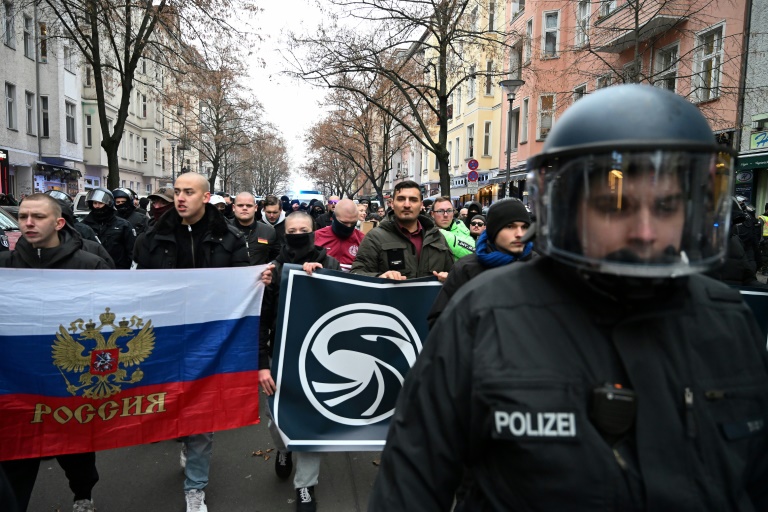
344 344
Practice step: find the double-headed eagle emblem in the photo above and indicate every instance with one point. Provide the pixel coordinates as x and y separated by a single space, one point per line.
102 363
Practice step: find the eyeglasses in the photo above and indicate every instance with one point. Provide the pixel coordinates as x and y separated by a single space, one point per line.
443 212
477 224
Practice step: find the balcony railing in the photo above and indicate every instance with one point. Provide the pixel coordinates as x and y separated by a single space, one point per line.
638 20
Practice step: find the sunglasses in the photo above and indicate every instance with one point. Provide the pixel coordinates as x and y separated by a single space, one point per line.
477 224
332 201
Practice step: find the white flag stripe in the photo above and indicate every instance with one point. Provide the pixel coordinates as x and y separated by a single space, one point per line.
174 296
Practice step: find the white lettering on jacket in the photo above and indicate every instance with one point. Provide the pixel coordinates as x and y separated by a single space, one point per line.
538 424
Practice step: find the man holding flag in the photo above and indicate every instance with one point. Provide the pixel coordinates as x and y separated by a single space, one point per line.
194 235
49 242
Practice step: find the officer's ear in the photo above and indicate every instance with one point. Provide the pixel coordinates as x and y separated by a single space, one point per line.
60 222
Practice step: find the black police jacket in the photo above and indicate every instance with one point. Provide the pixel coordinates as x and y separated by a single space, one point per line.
116 235
504 385
223 245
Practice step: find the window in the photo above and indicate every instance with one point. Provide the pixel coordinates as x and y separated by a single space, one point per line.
524 126
473 19
528 40
471 141
579 92
143 105
158 113
631 73
515 62
489 78
518 6
456 152
44 126
604 81
666 67
70 124
546 114
144 66
110 126
551 33
43 42
582 22
130 146
514 125
158 152
144 150
487 139
88 76
708 64
450 153
122 146
162 158
10 32
607 7
88 130
491 15
471 83
10 106
149 188
29 39
458 101
29 100
68 59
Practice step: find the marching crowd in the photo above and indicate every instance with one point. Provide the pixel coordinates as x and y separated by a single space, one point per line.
512 404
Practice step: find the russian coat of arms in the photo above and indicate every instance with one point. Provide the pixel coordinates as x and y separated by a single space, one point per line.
101 365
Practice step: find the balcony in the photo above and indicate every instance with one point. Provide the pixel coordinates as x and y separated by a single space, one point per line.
629 23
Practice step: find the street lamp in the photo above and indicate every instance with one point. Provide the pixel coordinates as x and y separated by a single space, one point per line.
510 87
173 143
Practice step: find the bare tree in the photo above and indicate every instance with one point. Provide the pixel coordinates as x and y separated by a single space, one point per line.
422 49
114 37
267 164
216 113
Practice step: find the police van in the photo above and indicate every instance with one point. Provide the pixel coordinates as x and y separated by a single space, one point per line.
305 196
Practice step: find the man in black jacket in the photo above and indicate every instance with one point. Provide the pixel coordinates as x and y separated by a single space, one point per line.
608 374
126 210
115 234
49 242
326 219
260 238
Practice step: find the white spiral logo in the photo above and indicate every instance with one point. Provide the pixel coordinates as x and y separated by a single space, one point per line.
358 355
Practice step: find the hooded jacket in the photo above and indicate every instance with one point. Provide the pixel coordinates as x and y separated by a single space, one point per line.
505 386
222 244
69 254
279 227
387 248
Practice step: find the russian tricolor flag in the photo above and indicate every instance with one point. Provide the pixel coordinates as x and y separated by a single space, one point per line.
97 360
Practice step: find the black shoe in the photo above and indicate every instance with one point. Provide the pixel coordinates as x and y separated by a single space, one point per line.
283 464
305 499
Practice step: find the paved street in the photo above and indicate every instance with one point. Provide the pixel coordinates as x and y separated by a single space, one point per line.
148 478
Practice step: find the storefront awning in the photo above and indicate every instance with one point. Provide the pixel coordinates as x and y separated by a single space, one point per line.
56 166
514 174
747 161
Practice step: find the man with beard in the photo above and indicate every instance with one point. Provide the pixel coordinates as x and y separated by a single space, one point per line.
116 234
341 239
456 234
49 242
300 248
273 215
126 210
609 373
260 238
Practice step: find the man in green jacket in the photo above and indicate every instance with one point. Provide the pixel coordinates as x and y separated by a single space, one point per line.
456 233
406 244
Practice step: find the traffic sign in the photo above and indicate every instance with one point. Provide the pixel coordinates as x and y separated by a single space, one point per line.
472 187
473 165
472 176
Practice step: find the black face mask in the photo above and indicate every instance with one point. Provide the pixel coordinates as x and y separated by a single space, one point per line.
103 213
341 230
123 209
300 240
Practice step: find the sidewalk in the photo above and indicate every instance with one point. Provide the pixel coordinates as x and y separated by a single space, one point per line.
148 478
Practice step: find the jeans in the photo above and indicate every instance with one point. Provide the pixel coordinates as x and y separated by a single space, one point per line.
199 447
307 464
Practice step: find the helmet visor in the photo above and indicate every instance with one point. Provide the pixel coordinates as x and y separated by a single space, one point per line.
101 196
645 214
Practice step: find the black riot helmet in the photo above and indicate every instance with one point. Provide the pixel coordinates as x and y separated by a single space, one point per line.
631 182
63 197
123 192
101 195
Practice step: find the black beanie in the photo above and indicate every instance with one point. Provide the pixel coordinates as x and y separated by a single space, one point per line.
502 213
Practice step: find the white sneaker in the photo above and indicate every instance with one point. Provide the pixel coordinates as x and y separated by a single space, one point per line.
196 501
183 456
83 506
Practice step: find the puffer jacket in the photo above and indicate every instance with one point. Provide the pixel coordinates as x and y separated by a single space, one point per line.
69 254
224 245
387 248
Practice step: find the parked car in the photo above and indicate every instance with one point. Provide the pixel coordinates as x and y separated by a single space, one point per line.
13 210
11 227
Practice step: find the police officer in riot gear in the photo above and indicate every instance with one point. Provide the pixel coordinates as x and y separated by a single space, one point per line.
67 206
116 234
608 374
124 203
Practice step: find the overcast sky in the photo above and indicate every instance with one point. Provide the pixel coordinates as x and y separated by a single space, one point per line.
291 106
